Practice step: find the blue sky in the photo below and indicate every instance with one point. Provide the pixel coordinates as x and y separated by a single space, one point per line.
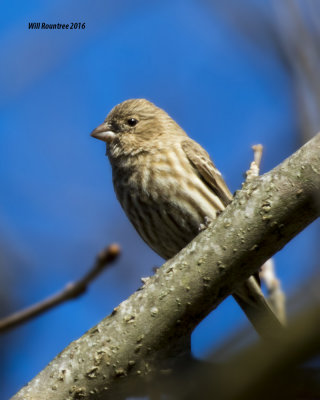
58 208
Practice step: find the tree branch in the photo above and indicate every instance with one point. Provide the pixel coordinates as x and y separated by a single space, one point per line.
70 291
139 335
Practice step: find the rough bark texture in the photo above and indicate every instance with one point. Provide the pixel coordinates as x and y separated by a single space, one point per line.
266 214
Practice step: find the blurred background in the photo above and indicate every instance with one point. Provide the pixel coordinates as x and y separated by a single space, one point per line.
231 73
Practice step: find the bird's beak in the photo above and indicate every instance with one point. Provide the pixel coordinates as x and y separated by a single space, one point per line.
102 132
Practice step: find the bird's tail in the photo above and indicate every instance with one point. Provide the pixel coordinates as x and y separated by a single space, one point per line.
252 301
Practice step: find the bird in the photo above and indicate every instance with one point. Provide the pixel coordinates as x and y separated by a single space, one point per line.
170 189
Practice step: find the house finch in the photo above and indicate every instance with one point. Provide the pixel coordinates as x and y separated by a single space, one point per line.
169 187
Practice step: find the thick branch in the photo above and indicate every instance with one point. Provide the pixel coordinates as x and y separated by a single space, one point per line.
267 213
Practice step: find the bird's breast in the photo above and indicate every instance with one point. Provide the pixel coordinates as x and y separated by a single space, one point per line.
164 198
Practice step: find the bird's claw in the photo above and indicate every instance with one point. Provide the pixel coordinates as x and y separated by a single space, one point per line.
205 225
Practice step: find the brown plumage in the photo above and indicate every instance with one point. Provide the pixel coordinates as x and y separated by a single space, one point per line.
167 185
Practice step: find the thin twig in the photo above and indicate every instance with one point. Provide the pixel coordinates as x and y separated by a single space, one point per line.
254 170
267 274
276 296
257 153
70 291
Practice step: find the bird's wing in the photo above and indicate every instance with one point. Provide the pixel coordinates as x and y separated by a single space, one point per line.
205 168
248 295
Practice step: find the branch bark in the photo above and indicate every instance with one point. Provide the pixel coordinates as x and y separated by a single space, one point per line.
139 335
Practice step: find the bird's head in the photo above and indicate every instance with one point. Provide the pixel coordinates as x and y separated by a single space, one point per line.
135 120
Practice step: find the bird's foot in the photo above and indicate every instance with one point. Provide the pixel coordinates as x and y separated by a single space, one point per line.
205 225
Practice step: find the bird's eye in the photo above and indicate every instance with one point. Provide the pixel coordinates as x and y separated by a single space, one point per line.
132 121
